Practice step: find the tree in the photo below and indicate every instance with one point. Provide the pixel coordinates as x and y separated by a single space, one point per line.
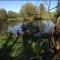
12 14
42 11
58 10
3 15
27 11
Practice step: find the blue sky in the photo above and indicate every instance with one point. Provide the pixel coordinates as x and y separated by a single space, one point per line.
16 5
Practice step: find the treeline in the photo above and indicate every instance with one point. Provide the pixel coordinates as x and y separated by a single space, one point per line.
28 12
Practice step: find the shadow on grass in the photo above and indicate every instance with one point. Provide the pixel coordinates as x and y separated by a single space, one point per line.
6 50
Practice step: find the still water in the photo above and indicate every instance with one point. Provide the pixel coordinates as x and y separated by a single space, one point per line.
18 26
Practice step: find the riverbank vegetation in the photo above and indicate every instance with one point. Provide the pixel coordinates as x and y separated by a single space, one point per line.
27 12
25 46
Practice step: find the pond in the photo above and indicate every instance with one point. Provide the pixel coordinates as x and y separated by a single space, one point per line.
15 28
47 24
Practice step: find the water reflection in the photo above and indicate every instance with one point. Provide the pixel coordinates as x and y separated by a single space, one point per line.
14 26
47 25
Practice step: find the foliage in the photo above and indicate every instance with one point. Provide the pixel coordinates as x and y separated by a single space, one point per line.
42 11
25 47
3 15
57 10
27 13
27 10
12 14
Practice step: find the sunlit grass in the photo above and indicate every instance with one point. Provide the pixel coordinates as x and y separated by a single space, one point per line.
17 46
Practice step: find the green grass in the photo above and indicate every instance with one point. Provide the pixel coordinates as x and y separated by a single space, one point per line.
2 41
38 47
16 48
